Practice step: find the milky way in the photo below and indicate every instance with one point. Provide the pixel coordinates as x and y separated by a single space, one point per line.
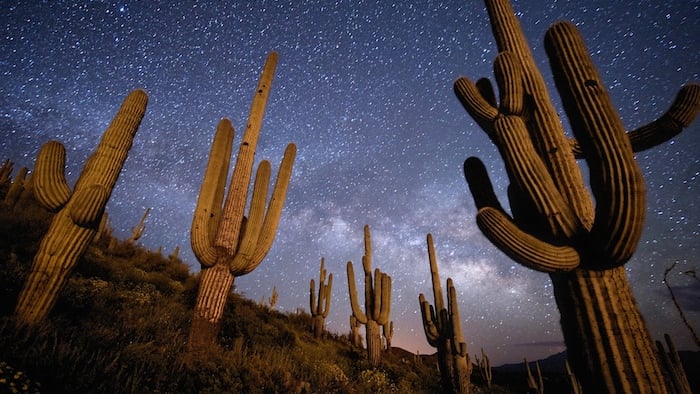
364 88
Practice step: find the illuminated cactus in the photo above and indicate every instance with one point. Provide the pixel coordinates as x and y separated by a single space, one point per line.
320 307
443 331
554 227
78 213
227 243
377 302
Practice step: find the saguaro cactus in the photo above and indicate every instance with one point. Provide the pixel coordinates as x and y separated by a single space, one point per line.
443 331
377 302
321 306
16 188
79 212
137 231
554 227
227 243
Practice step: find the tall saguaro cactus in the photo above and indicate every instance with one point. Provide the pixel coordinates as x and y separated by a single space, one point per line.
443 330
321 306
225 241
554 226
78 212
377 301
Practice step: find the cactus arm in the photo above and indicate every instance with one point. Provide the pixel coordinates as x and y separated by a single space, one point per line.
680 115
453 312
543 121
354 303
105 164
207 213
480 109
523 247
435 276
616 181
234 207
242 261
276 204
382 306
428 315
327 296
480 184
312 298
50 186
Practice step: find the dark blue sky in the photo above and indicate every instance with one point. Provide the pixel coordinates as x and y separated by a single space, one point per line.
364 88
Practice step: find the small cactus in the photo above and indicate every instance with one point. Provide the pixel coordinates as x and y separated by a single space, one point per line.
443 331
377 301
321 306
78 212
137 232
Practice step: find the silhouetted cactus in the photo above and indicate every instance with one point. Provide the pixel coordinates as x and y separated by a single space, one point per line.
16 188
377 301
535 383
76 222
321 306
676 379
137 232
6 171
227 243
554 227
443 331
485 368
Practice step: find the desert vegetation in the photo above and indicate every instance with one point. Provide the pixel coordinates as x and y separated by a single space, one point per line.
87 312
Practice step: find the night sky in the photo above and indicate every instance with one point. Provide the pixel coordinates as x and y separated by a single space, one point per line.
364 88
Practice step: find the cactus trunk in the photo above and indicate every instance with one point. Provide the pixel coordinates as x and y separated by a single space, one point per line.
602 326
374 342
214 287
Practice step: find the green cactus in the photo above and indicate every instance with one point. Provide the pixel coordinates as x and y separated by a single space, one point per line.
321 306
554 227
377 301
79 212
443 331
227 243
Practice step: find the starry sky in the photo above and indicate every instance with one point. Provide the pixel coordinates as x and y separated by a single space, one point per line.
364 88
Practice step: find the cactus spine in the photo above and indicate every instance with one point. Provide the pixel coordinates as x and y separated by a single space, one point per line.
554 227
321 306
443 331
79 212
377 301
227 243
